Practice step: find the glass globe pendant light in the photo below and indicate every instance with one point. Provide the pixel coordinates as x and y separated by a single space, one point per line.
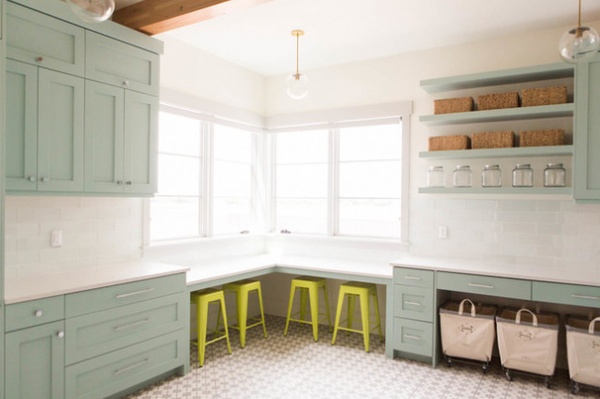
92 10
297 83
579 44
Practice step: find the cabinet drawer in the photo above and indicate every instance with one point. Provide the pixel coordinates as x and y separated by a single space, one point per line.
39 39
91 301
120 64
413 302
109 374
485 285
414 277
413 337
568 294
33 313
102 332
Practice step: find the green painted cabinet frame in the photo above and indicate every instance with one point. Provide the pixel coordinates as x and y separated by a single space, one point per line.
35 362
587 130
121 134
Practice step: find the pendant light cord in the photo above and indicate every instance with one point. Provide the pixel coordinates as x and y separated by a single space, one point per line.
579 20
298 54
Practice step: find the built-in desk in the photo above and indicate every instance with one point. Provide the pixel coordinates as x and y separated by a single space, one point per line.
421 285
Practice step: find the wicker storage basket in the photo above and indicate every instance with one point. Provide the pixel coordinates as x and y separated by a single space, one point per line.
443 143
493 140
498 101
544 96
583 350
467 333
528 341
535 138
451 105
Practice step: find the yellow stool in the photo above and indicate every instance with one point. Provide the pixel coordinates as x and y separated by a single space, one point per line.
364 291
202 299
242 290
308 285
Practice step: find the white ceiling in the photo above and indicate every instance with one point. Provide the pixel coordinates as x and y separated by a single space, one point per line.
341 31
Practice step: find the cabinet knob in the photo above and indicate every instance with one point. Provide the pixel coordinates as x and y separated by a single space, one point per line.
119 182
39 59
45 179
125 83
128 182
60 334
38 313
31 178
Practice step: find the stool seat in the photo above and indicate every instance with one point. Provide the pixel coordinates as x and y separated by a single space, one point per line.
242 290
309 290
364 292
202 299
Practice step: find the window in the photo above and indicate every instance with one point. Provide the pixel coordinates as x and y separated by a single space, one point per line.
205 178
343 181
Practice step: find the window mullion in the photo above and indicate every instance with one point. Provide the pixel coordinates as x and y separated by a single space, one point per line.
207 179
333 186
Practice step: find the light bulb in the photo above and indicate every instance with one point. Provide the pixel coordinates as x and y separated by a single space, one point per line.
579 44
92 10
297 86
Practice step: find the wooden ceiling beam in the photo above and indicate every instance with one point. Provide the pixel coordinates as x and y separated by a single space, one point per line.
157 16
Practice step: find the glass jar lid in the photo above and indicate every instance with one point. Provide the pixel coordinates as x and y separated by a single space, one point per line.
491 167
462 167
554 165
436 168
523 166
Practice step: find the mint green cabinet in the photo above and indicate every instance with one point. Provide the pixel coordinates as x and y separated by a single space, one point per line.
120 140
587 130
44 136
39 39
35 362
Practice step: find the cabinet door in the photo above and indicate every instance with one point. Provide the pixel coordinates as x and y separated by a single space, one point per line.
35 362
587 131
60 132
141 141
104 110
39 39
120 64
21 126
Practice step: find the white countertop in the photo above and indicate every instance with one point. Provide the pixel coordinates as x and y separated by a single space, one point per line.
562 274
43 286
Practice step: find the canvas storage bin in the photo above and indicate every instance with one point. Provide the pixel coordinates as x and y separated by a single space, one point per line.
467 334
583 350
527 341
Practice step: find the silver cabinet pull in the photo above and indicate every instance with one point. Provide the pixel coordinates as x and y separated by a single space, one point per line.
131 325
125 83
594 298
38 313
134 293
412 303
416 338
31 178
60 334
45 179
129 182
412 278
490 287
133 366
119 182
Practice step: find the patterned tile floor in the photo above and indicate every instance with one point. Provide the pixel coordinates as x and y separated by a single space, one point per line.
297 367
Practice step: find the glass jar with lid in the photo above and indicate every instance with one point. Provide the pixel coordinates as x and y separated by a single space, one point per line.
522 175
461 177
554 175
491 176
435 176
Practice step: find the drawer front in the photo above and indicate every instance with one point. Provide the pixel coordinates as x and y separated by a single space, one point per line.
568 294
41 40
109 374
413 336
86 302
119 64
413 302
33 313
102 332
414 277
475 284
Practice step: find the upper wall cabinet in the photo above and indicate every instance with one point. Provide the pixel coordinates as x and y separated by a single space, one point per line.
39 39
587 131
119 64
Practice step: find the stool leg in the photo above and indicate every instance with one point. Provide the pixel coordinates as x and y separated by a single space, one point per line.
262 312
376 302
314 312
289 312
338 313
350 310
202 321
224 314
303 302
326 295
242 311
364 313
